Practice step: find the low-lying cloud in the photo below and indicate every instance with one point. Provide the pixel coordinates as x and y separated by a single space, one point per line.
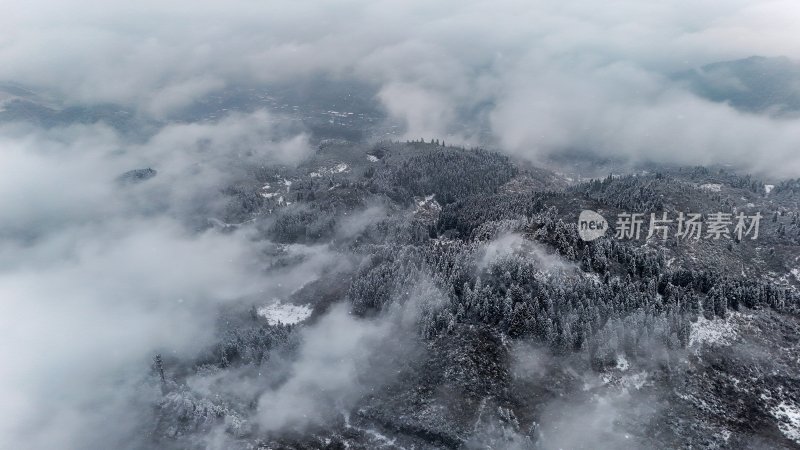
97 276
533 78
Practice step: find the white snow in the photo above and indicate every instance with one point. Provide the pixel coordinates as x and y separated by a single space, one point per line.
796 273
284 313
372 158
340 113
713 187
338 168
622 363
769 187
429 203
428 198
788 416
636 380
266 194
718 331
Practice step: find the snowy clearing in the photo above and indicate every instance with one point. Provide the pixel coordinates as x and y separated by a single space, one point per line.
428 199
711 187
284 313
717 331
788 416
338 168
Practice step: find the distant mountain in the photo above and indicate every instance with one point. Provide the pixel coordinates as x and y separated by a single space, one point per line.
326 108
755 84
19 103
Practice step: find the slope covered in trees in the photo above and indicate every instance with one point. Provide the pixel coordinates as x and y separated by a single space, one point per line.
444 264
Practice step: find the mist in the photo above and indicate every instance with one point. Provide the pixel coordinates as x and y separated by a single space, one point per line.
531 78
98 275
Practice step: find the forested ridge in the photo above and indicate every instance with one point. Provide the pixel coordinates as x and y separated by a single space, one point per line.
436 235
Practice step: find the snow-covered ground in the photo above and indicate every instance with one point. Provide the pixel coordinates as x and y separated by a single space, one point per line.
372 158
428 199
768 188
340 113
622 363
268 191
788 416
284 313
338 168
718 331
713 187
427 205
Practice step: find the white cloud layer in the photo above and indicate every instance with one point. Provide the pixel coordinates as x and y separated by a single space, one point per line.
96 277
542 75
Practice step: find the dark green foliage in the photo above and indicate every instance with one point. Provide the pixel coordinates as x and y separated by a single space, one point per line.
447 172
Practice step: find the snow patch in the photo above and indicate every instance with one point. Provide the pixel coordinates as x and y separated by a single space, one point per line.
713 187
768 188
788 416
284 313
622 363
427 205
428 198
372 158
705 331
636 381
338 168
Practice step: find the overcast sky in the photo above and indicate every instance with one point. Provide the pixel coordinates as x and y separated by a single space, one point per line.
545 76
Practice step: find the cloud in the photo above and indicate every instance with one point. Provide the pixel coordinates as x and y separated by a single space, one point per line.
96 277
328 376
624 111
356 223
86 308
534 78
65 175
343 358
515 245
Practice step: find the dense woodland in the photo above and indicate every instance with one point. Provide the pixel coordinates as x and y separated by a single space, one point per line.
441 211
